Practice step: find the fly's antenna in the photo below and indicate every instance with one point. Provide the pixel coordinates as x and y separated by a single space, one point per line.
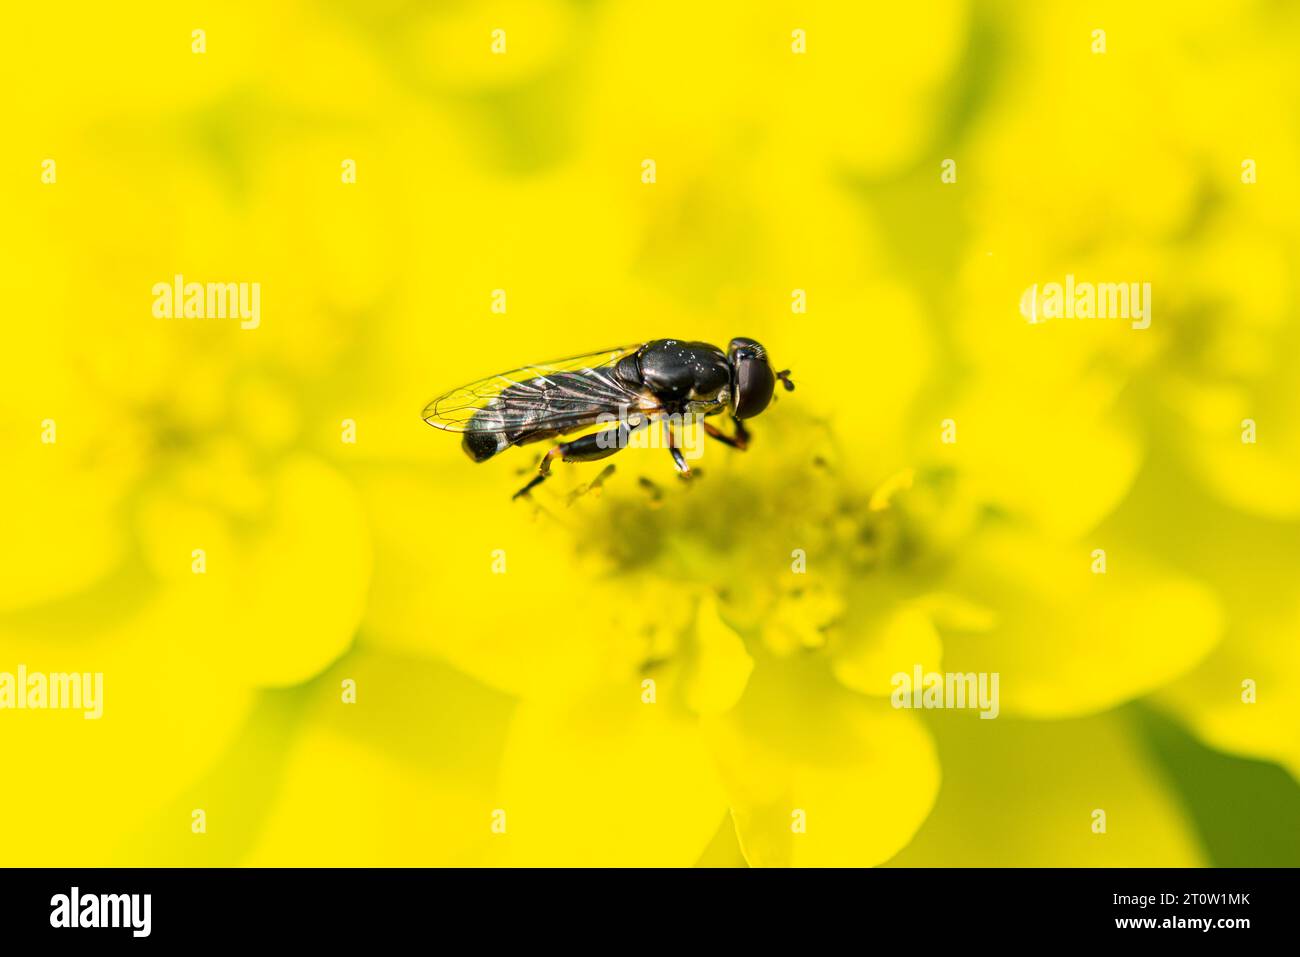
784 376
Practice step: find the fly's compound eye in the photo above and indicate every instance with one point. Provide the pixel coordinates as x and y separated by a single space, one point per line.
755 383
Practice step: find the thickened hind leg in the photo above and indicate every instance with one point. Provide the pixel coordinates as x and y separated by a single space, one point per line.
588 448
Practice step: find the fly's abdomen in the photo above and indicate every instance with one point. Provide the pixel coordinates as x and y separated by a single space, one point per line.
487 433
481 446
539 408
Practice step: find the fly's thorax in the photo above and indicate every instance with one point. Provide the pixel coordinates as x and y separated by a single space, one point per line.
680 372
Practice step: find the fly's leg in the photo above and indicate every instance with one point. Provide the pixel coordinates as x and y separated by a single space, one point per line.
543 472
678 459
742 433
738 441
588 448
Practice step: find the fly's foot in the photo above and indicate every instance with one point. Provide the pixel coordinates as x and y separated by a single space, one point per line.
527 489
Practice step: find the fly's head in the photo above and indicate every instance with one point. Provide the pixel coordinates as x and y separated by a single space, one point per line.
752 377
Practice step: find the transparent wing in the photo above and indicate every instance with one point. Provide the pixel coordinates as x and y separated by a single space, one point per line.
548 397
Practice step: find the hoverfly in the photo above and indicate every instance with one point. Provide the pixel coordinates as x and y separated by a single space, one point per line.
634 385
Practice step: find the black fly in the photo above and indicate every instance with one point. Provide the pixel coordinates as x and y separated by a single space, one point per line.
622 389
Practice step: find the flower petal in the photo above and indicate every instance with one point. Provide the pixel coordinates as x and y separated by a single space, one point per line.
607 781
1068 641
1023 794
818 776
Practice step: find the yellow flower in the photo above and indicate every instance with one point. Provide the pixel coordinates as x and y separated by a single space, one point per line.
336 641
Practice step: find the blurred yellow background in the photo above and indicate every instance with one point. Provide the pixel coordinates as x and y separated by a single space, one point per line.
242 528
